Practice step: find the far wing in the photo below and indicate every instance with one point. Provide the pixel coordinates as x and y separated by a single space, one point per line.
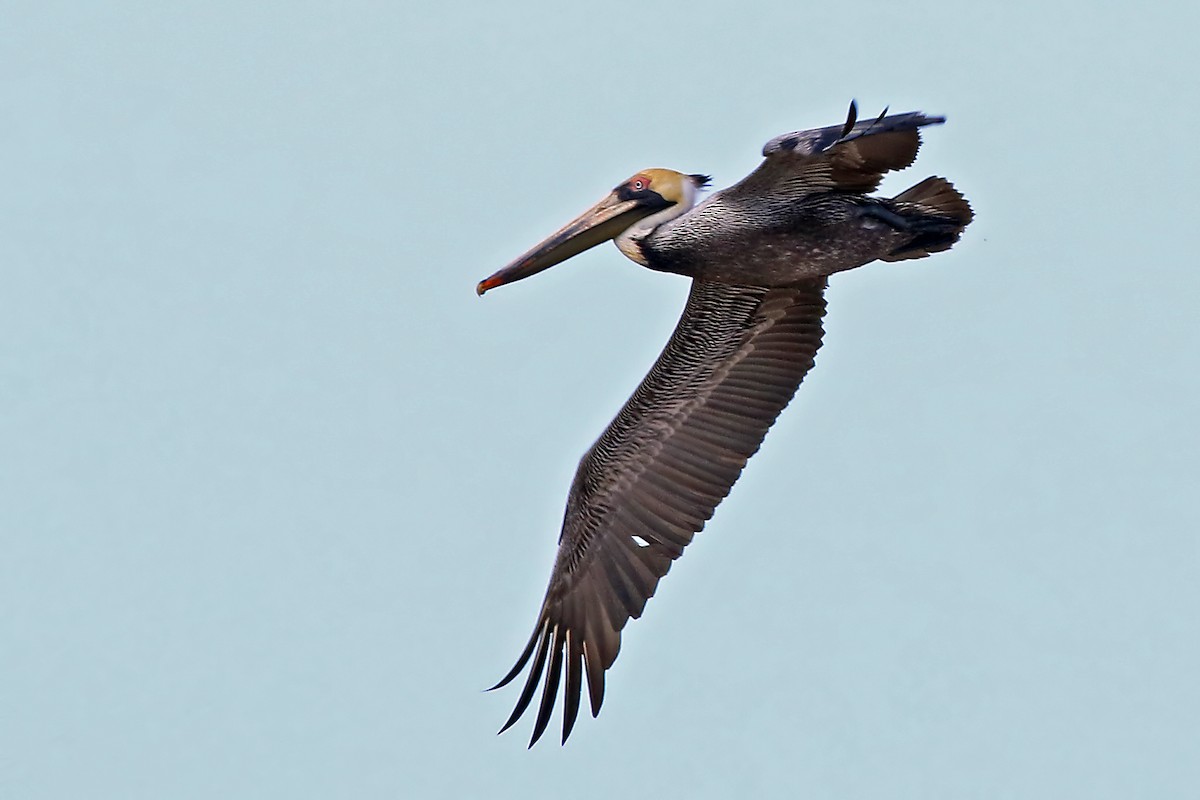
659 470
850 157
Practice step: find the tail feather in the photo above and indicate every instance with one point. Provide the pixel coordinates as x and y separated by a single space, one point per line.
936 213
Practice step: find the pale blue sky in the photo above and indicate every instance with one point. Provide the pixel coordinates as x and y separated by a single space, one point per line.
279 495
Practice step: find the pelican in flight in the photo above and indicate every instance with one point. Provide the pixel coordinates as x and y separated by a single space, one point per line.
759 255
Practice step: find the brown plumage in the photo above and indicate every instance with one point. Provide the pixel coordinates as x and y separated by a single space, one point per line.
759 254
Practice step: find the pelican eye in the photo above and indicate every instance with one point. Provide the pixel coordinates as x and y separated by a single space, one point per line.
639 188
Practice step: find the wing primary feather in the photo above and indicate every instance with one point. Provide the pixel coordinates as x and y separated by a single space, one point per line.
550 688
879 119
574 687
521 662
535 675
851 118
595 677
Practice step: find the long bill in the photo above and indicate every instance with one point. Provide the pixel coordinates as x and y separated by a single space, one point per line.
603 221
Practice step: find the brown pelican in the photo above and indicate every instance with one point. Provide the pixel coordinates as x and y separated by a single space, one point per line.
759 255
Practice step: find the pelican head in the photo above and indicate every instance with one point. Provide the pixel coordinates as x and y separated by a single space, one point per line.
628 214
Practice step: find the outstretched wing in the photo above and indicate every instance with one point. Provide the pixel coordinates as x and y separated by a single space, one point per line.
850 157
654 477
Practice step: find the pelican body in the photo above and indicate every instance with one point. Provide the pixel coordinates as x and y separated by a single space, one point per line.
759 254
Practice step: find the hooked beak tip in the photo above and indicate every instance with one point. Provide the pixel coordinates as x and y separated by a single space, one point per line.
489 283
